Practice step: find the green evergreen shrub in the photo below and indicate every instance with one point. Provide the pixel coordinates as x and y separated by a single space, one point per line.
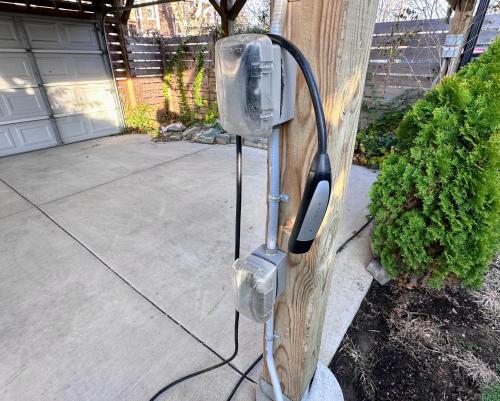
436 203
491 393
378 140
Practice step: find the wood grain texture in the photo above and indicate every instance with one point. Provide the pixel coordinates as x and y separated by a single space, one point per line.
335 36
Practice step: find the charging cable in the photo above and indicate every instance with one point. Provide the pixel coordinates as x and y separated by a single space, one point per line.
237 236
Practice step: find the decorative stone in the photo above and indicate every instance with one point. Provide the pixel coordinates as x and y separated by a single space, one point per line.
175 136
207 136
189 133
175 127
222 139
378 272
259 142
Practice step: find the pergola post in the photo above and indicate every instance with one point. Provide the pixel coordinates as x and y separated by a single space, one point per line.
463 11
335 36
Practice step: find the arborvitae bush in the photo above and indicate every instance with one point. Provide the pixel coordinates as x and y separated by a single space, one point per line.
436 203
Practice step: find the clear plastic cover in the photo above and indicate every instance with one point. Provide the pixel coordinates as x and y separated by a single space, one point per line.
255 284
243 68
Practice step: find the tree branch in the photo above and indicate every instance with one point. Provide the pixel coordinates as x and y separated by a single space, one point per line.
236 8
216 6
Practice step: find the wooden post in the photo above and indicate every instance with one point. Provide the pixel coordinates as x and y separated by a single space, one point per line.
460 23
121 25
335 36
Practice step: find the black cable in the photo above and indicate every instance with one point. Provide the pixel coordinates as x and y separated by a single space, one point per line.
243 377
311 84
237 236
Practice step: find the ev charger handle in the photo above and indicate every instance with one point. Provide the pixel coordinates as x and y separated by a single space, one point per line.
313 206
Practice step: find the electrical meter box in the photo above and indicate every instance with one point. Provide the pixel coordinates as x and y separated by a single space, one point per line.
255 85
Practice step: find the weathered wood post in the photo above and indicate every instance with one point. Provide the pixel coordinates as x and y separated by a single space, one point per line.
459 26
335 36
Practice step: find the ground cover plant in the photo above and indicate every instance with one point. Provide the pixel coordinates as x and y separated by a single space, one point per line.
140 119
436 202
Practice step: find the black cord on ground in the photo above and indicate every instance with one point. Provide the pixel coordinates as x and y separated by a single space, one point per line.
236 256
243 377
341 247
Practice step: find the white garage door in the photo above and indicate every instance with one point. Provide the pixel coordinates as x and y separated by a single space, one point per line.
55 84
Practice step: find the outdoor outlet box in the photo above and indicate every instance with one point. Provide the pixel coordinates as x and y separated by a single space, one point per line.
259 280
255 85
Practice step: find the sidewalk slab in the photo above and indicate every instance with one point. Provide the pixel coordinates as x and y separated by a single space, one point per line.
170 233
10 202
70 329
54 173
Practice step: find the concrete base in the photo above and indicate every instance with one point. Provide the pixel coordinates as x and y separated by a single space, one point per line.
324 387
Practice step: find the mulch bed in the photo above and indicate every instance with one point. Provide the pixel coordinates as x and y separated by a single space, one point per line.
418 344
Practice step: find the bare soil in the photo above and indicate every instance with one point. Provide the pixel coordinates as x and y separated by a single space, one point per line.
421 345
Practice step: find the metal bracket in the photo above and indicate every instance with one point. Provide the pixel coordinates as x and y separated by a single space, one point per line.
282 198
452 46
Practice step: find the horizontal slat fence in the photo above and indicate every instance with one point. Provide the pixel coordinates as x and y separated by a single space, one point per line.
148 58
406 55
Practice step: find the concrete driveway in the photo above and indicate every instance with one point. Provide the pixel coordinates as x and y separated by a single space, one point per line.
115 258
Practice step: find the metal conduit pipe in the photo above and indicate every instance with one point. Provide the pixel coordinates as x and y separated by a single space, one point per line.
277 26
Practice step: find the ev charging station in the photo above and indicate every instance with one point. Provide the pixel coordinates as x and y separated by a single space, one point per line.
256 88
256 78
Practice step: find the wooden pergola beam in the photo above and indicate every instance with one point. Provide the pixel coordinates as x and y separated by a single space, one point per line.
236 8
126 14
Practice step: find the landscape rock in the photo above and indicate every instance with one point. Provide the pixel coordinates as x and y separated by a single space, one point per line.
189 133
378 272
259 142
175 136
222 139
207 136
175 127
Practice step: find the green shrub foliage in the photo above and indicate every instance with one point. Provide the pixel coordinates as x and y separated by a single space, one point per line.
491 393
141 119
378 140
436 202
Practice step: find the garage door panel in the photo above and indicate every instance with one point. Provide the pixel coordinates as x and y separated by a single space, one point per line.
9 35
48 35
85 126
66 70
18 104
26 136
80 98
16 70
7 143
60 69
81 36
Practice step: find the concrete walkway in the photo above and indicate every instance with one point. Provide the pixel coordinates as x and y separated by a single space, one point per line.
115 258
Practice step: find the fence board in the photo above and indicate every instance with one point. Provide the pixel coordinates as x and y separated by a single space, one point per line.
404 55
407 81
430 25
424 69
411 40
410 54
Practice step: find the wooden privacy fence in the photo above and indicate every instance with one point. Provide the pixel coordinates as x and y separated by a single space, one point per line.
149 59
404 55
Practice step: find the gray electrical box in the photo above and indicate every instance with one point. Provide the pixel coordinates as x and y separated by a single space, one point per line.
259 280
255 85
